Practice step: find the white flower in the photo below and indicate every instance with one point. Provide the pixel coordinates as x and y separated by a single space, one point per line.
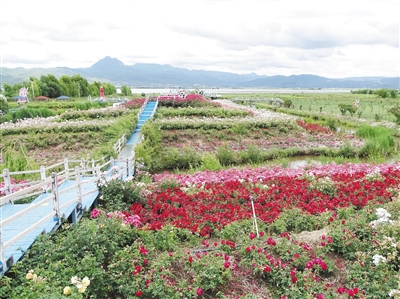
383 217
74 280
377 259
382 213
67 291
86 281
393 293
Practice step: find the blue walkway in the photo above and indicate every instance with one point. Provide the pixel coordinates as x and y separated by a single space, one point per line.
130 144
42 209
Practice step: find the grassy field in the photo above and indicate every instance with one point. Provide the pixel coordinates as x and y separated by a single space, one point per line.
370 107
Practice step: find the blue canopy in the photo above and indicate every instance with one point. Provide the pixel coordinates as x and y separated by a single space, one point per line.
62 98
18 98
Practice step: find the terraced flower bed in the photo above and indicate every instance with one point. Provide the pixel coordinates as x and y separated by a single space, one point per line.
317 231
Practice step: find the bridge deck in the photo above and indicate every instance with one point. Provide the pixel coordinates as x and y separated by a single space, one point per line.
15 227
45 212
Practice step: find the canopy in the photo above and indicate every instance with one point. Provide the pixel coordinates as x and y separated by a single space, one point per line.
21 99
18 98
42 98
62 98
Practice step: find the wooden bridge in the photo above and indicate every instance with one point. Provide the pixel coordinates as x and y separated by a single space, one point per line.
62 191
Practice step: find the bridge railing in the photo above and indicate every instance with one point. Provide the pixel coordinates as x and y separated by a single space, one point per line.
120 143
67 166
154 110
81 175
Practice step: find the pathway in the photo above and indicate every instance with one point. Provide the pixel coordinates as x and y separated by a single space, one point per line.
71 193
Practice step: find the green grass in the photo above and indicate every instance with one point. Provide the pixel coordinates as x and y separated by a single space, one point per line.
369 106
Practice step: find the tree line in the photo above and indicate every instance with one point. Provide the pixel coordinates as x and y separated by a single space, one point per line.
383 92
51 87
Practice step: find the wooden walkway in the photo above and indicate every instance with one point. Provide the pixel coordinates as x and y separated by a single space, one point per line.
62 195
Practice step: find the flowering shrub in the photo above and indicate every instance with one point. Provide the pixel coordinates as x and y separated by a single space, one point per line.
324 185
126 217
313 128
134 104
101 113
223 197
190 100
207 111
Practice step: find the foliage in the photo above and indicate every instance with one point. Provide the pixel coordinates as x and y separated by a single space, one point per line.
126 90
24 113
135 103
16 158
83 114
386 93
293 220
380 141
395 110
89 105
49 86
184 158
347 108
210 162
198 237
190 100
107 257
287 103
3 105
226 156
149 150
117 194
207 111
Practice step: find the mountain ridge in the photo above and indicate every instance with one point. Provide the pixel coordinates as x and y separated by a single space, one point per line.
114 71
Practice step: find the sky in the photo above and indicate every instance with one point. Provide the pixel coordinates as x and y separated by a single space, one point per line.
334 39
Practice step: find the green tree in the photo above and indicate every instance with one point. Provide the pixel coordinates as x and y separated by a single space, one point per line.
8 90
109 89
81 85
68 86
126 91
95 89
49 86
34 89
3 104
393 93
383 92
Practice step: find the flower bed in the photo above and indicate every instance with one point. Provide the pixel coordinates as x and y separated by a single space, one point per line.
207 201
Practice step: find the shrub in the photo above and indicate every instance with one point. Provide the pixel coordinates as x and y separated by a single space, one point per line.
225 155
210 162
293 220
184 158
380 141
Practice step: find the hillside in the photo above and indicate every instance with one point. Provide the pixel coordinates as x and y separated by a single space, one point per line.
116 72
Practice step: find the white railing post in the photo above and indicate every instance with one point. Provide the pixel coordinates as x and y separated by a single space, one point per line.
66 167
121 167
83 164
43 176
2 259
79 187
7 181
56 198
98 171
127 167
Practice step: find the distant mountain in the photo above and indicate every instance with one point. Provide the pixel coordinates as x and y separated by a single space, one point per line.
116 72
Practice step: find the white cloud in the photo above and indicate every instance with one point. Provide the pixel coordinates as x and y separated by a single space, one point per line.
328 38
